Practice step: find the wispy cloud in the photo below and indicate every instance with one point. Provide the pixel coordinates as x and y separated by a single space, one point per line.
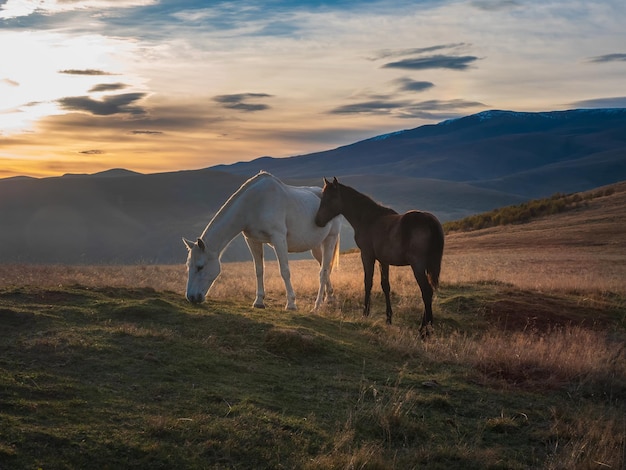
414 58
107 87
433 62
19 8
239 101
8 81
117 104
90 72
615 102
407 109
146 132
495 5
408 84
440 109
386 53
370 107
91 152
619 57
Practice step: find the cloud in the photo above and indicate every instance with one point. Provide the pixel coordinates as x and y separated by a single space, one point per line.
146 132
433 62
118 104
175 120
495 5
385 53
608 58
439 109
446 104
406 109
238 101
370 107
92 72
92 152
9 82
407 84
615 102
19 8
107 87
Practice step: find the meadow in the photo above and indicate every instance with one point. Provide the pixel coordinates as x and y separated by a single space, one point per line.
110 367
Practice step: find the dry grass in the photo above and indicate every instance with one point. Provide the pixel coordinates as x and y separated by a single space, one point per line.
586 363
589 270
556 269
583 250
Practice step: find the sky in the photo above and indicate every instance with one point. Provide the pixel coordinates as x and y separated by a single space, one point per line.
166 85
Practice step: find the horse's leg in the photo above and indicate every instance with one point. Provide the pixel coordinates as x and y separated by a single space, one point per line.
316 251
427 296
327 265
280 247
368 271
384 282
318 254
326 288
256 248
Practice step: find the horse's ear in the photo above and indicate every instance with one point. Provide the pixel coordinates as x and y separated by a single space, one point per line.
188 243
326 182
335 182
201 244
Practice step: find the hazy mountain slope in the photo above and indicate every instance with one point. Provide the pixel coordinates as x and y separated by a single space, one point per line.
127 218
141 218
584 173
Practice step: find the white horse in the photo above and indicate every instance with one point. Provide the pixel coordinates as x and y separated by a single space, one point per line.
267 211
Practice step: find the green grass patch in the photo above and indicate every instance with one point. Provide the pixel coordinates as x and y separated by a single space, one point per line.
134 378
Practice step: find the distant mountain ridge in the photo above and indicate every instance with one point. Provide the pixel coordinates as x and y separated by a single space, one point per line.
454 168
500 150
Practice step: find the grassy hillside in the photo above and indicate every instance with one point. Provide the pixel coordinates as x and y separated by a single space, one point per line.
110 367
527 211
135 378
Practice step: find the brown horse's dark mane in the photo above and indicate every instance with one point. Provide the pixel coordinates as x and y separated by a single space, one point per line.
365 203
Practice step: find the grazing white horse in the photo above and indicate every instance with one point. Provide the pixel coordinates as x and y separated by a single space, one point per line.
267 211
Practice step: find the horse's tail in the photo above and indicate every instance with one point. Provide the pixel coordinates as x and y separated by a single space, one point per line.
435 253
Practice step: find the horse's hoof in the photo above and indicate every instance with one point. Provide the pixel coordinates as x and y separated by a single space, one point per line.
291 307
258 306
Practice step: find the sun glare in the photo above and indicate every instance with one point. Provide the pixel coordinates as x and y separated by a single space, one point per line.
45 68
50 66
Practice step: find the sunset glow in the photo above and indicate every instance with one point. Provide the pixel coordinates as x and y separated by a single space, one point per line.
156 86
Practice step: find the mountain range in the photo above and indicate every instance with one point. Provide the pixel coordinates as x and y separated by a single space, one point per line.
454 168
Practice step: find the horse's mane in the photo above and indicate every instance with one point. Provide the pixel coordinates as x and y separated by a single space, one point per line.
366 202
242 189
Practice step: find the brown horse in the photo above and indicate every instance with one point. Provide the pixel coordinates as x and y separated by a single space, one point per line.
412 239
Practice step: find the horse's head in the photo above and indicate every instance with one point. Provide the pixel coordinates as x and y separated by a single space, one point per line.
330 205
202 269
